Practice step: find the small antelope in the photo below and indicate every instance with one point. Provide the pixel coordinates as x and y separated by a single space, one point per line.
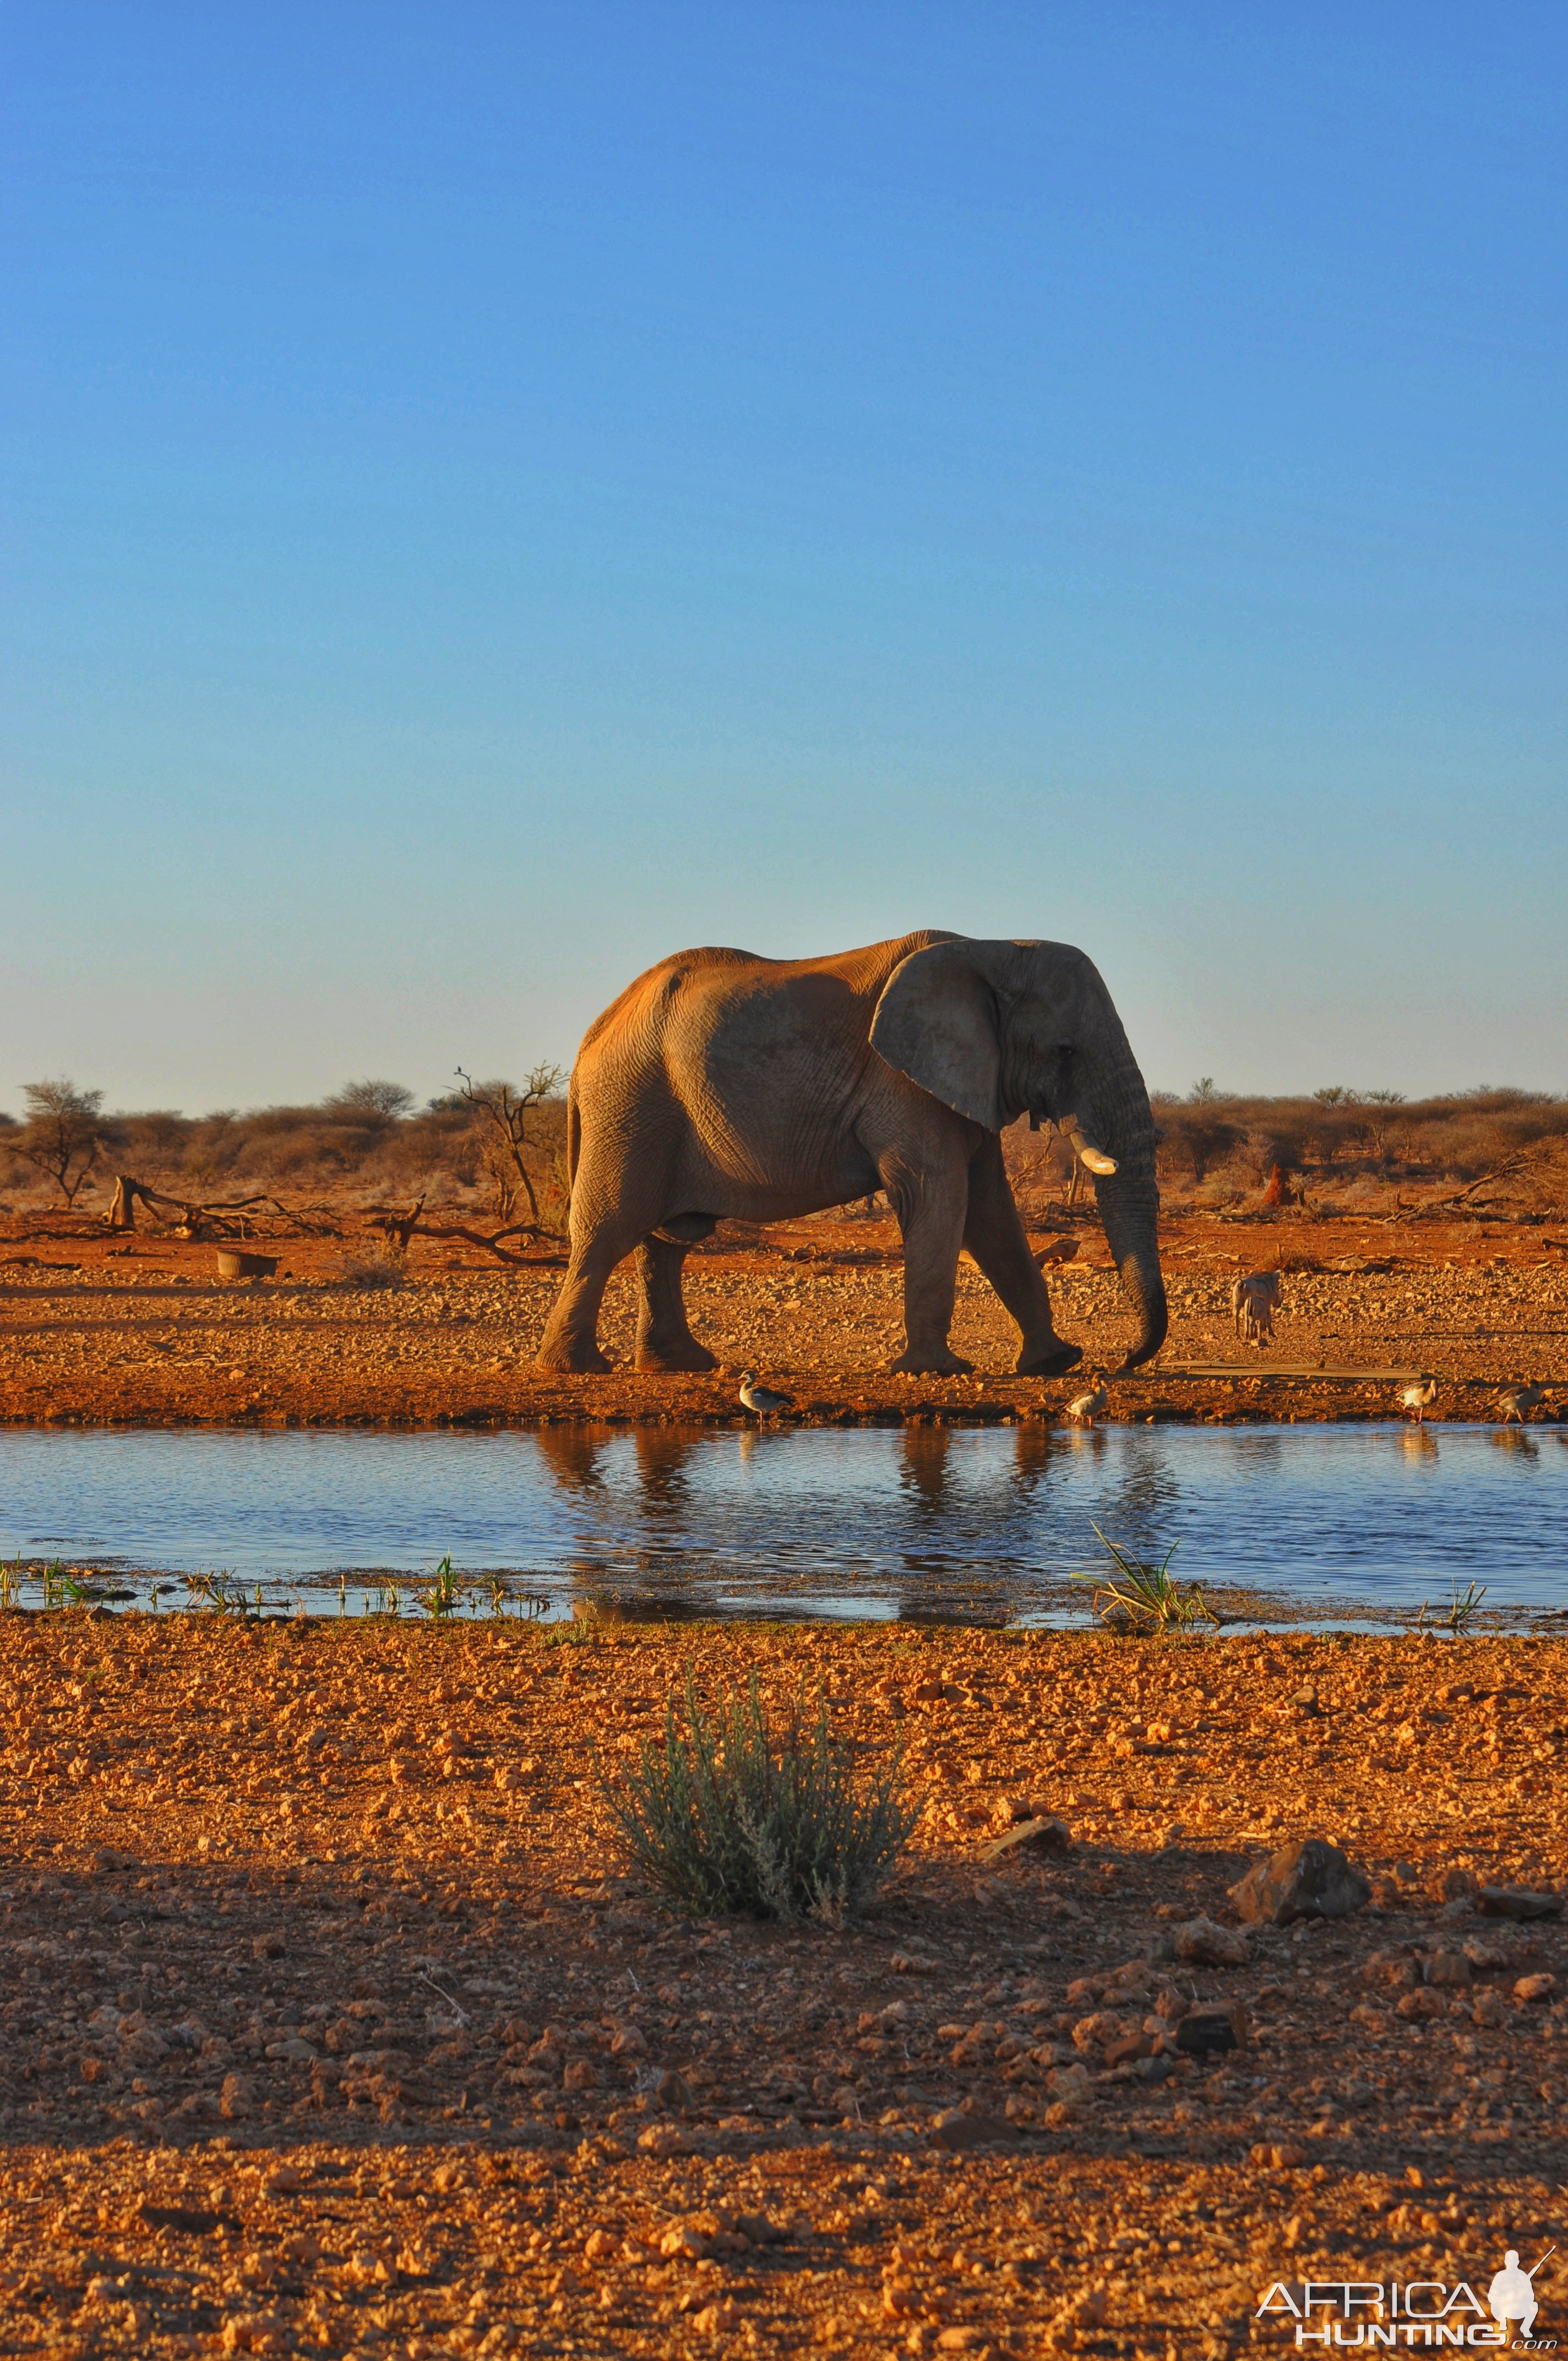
1253 1302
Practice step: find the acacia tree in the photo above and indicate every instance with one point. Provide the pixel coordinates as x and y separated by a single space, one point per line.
61 1135
508 1109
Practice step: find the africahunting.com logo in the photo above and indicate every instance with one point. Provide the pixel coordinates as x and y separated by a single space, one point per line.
1426 2313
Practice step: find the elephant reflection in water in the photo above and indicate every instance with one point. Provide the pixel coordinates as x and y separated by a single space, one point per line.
579 1459
924 1474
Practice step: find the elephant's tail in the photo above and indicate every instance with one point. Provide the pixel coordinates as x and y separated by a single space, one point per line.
574 1138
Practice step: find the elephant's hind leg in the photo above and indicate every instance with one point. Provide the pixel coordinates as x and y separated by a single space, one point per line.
664 1339
571 1337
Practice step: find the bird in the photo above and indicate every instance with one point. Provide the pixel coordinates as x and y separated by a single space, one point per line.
1091 1405
1517 1401
1419 1399
761 1397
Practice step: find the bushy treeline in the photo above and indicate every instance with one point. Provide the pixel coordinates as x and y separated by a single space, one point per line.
1222 1147
1457 1138
372 1136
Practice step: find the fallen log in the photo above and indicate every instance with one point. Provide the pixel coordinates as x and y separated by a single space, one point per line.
225 1218
397 1228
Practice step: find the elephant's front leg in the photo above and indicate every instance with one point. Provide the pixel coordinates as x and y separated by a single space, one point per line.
664 1339
994 1236
931 1216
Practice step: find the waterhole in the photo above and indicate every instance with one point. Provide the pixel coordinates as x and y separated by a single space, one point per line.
1306 1524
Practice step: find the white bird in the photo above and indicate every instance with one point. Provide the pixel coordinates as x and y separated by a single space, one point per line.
761 1397
1517 1401
1419 1399
1090 1405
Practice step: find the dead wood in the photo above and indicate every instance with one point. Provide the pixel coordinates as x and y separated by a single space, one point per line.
397 1228
231 1217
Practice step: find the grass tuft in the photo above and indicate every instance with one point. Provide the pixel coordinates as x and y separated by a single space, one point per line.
439 1598
1145 1599
742 1817
1461 1613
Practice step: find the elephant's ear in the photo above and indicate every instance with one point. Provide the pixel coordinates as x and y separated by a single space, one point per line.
937 1023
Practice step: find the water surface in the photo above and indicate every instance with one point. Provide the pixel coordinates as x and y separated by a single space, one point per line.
1323 1523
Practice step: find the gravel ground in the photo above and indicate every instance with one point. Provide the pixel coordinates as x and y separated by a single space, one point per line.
143 1332
333 2023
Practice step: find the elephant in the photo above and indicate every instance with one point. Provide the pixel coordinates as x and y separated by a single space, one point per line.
722 1085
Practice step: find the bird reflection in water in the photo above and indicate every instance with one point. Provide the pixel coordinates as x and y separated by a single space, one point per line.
1516 1440
1420 1443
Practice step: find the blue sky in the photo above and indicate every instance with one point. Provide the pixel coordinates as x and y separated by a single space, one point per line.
495 494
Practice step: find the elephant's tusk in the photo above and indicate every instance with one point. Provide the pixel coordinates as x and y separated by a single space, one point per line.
1094 1158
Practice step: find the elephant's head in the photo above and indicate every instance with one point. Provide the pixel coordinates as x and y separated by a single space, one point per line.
998 1029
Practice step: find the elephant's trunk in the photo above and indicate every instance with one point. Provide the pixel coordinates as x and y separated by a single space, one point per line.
1130 1217
1129 1209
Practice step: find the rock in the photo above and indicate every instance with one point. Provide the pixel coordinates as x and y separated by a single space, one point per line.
717 2319
1095 2032
295 2051
1209 1946
234 2099
1048 1835
1494 1958
1070 2083
684 2244
956 2130
1450 1968
1281 2157
1490 2009
1421 2003
1129 2048
1390 1966
664 2139
1205 2034
1516 1901
671 2090
1312 1879
1530 1988
1458 1883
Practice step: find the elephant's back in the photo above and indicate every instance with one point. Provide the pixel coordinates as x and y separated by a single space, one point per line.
714 981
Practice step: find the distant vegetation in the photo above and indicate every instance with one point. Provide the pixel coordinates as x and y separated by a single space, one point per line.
1336 1146
495 1144
500 1148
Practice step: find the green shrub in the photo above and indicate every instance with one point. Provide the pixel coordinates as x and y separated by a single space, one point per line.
766 1821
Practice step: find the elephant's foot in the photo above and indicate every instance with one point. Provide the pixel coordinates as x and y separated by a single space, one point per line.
940 1364
1053 1360
576 1360
689 1356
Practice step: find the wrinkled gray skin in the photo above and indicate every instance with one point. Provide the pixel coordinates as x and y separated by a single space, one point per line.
724 1086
